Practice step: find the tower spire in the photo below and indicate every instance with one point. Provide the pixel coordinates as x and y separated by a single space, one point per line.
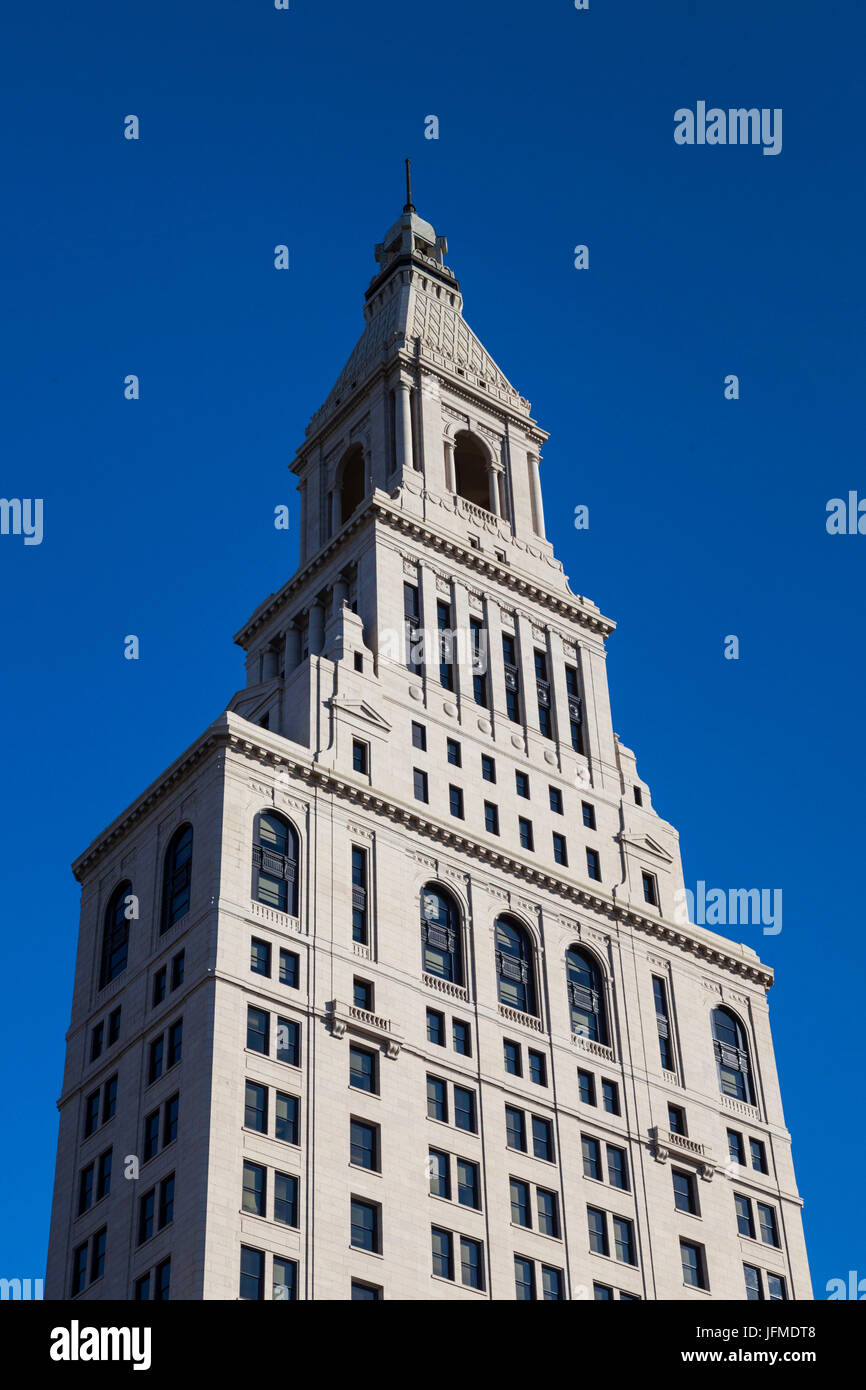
409 205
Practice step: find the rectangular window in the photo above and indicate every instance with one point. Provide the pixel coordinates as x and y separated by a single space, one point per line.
537 1067
515 1128
178 966
252 1282
542 686
256 1107
548 1212
365 1226
597 1222
97 1035
521 781
113 1026
777 1289
455 802
468 1185
142 1289
754 1287
602 1293
360 757
170 1113
525 828
462 1037
175 1043
588 815
436 1027
479 662
366 1293
491 818
512 1054
464 1109
260 957
109 1098
287 1118
556 802
453 751
97 1254
685 1192
542 1138
286 1199
289 969
253 1189
155 1060
284 1285
85 1189
745 1219
488 768
419 736
258 1029
663 1026
552 1284
610 1097
677 1120
617 1168
162 1290
437 1099
446 652
79 1269
591 1150
146 1208
289 1042
159 983
362 995
623 1240
103 1175
520 1213
166 1201
443 1253
359 895
650 889
736 1149
759 1156
593 864
412 619
586 1087
471 1263
419 783
560 850
767 1224
439 1168
91 1114
363 1072
694 1265
512 678
524 1279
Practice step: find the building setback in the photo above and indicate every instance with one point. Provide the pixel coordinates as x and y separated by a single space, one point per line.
381 989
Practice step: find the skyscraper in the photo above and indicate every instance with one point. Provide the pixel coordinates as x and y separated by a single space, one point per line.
384 988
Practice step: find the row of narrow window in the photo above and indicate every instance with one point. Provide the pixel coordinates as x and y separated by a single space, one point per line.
123 908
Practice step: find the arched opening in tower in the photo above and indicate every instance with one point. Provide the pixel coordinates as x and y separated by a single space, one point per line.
472 470
351 482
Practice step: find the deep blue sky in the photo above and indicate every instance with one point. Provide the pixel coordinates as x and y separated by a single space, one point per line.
707 517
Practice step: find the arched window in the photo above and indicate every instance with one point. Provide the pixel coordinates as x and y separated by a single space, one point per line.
471 470
275 862
115 935
440 935
515 966
350 481
732 1056
176 878
585 996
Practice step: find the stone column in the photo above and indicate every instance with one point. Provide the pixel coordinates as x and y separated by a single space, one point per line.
450 477
493 477
535 490
317 627
404 425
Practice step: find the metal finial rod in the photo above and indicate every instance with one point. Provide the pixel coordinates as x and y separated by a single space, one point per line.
410 206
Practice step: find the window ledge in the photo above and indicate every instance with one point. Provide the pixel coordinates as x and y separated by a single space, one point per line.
343 1017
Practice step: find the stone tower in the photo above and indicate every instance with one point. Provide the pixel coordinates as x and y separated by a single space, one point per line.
384 989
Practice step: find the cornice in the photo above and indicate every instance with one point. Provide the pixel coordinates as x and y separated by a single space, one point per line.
379 507
234 733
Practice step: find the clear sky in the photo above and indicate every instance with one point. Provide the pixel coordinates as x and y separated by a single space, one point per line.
707 516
